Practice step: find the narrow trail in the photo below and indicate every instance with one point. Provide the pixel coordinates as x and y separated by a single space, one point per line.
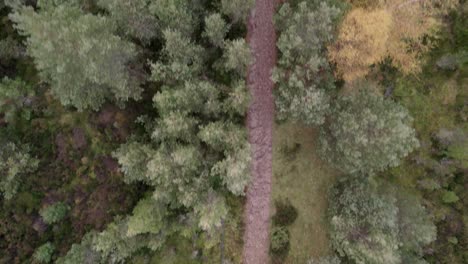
261 37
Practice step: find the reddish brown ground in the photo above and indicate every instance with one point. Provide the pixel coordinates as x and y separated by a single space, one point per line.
261 37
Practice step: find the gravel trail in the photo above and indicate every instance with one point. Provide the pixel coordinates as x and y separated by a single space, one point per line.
261 37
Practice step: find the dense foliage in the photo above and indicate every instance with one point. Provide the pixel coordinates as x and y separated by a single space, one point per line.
54 213
373 223
43 254
198 135
79 54
16 98
303 73
123 139
400 29
195 151
15 165
367 133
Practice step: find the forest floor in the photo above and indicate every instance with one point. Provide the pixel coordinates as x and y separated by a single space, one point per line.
261 37
300 176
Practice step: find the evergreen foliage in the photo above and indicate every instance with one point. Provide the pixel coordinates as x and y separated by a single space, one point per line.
133 18
303 73
177 14
10 49
81 253
187 159
113 245
15 98
79 54
198 150
371 222
15 164
147 227
238 10
367 133
43 254
237 56
148 218
54 213
216 29
285 213
279 240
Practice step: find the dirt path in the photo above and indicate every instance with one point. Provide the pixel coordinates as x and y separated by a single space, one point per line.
261 37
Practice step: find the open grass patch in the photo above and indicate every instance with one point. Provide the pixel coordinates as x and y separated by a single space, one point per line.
301 177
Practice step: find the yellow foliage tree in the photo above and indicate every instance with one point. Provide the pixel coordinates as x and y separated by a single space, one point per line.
361 42
393 28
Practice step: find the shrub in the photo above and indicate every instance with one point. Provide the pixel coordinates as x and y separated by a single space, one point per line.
447 62
450 197
459 152
279 240
365 3
285 214
54 213
15 164
43 254
16 98
10 49
459 26
325 260
81 253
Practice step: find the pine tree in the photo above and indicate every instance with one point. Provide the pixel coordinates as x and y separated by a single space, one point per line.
237 54
367 133
82 253
373 222
79 54
238 10
15 164
182 60
303 75
113 245
148 218
54 213
198 149
132 17
216 29
10 49
43 254
16 99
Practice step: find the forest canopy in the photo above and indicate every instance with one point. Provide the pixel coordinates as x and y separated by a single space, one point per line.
130 131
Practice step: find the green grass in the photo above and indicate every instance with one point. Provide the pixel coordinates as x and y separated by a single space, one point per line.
302 177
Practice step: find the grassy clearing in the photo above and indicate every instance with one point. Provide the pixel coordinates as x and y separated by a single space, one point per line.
300 176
